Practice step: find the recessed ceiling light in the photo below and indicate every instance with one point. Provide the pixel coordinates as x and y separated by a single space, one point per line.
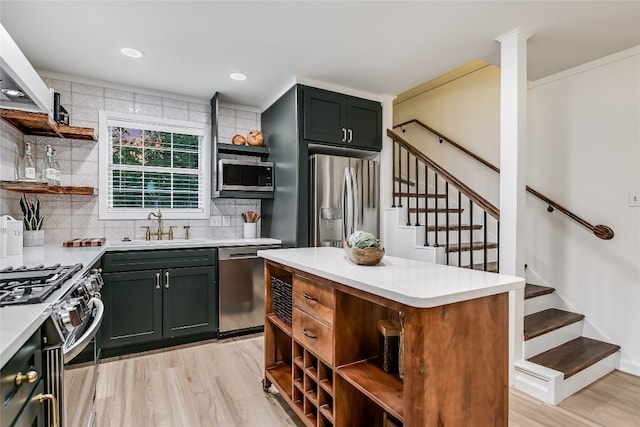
131 52
238 76
13 93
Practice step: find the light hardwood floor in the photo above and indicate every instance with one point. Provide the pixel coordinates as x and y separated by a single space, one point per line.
217 383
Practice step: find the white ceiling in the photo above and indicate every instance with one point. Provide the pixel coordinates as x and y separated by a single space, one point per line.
378 47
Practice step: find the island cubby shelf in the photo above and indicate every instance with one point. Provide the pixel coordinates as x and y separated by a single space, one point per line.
40 124
42 188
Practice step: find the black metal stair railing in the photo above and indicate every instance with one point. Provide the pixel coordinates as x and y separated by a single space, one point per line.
424 194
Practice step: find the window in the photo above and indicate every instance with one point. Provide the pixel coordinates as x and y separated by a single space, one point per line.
150 163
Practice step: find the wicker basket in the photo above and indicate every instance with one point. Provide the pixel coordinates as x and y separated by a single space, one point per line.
366 256
281 298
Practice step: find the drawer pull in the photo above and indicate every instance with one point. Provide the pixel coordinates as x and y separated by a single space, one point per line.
307 334
29 378
157 280
309 297
166 273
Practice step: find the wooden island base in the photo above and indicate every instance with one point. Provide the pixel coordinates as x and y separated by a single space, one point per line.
325 364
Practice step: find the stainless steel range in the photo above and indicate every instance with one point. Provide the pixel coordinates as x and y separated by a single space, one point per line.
70 356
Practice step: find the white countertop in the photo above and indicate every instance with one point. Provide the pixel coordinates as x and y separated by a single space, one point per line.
413 283
18 323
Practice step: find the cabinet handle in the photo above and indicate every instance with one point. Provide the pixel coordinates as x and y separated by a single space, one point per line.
157 280
344 135
350 135
309 297
54 406
166 274
307 334
29 378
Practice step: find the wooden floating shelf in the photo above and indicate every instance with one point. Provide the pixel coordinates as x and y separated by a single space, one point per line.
42 188
41 124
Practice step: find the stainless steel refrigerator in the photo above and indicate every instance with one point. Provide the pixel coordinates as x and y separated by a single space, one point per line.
343 198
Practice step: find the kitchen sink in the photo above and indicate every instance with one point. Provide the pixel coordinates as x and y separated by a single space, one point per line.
147 244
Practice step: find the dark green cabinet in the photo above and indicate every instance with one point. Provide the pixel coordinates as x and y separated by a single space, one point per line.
145 302
341 120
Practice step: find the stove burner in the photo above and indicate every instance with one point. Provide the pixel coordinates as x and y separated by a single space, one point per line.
33 285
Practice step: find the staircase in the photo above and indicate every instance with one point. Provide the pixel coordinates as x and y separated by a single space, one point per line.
559 360
437 218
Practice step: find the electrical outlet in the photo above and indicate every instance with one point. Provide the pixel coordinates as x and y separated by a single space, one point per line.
215 221
226 221
634 198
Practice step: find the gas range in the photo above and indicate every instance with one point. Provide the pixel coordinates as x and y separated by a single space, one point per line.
33 285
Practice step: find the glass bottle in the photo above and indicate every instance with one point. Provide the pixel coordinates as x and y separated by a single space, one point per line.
56 166
48 172
27 169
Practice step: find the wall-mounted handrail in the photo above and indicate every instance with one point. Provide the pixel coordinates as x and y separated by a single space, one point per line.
601 231
472 195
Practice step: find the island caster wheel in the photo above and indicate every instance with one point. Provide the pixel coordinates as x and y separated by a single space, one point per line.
266 385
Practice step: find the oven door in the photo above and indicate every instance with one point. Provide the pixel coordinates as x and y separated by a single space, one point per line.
72 371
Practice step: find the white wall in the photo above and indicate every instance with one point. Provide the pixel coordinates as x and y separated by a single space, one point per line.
583 152
68 217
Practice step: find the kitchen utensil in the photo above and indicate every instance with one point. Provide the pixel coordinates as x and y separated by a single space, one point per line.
14 235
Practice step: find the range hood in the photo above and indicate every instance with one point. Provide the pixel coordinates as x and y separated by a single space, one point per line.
21 88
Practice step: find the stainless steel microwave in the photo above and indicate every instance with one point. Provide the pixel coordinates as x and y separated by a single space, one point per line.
241 175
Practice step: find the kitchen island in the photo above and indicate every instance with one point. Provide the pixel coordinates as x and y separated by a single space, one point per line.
324 357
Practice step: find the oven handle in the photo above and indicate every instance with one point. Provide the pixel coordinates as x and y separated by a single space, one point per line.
75 349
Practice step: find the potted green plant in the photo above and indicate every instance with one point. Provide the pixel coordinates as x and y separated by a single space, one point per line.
33 221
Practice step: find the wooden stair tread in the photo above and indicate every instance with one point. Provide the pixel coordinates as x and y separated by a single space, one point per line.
548 320
432 210
466 246
532 291
575 355
463 227
491 266
404 194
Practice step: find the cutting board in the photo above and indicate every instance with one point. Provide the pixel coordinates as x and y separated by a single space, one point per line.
77 243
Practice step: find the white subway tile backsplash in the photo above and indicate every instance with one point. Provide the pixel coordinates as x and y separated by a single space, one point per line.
122 95
248 115
226 121
83 114
87 101
246 124
77 216
118 105
202 108
225 111
199 117
148 99
226 133
175 113
175 103
88 89
148 109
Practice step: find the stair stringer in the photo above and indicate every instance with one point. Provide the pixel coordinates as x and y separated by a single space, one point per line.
407 241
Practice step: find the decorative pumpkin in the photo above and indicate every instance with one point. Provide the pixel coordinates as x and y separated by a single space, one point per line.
255 138
238 140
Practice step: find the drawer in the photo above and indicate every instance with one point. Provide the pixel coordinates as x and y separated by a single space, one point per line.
15 396
316 300
315 336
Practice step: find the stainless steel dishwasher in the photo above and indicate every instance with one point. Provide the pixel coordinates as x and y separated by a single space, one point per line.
241 284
